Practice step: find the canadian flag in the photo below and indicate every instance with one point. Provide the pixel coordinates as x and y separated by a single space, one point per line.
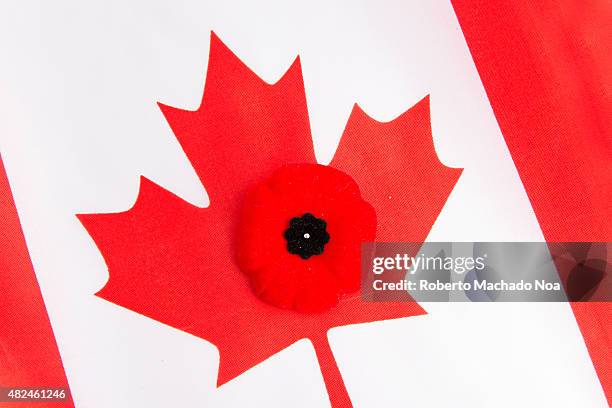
515 93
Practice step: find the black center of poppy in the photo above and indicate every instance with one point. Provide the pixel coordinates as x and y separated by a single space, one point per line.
306 236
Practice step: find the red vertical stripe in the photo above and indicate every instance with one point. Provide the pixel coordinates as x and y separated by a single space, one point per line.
28 353
547 69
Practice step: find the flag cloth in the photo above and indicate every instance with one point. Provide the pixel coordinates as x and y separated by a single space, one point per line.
547 70
28 351
459 121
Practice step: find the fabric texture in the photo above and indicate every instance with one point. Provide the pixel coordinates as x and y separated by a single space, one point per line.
547 70
28 352
184 257
311 199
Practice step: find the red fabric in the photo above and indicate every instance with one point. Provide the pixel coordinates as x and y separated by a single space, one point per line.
547 69
176 263
284 279
28 352
396 166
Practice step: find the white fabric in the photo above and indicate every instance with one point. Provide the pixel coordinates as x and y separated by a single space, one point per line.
79 123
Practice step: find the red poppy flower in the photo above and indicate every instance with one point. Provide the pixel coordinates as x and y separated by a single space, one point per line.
301 234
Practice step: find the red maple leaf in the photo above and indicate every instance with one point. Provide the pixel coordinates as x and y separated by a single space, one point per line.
176 263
